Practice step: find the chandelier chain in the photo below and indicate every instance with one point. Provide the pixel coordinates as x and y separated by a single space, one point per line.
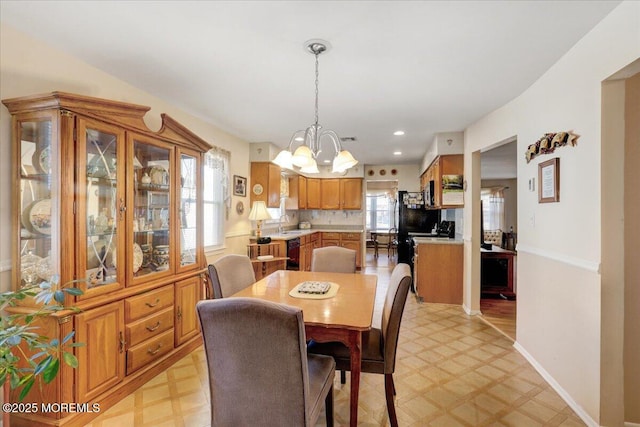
317 74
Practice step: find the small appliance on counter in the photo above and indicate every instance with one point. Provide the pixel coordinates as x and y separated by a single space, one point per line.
447 229
304 225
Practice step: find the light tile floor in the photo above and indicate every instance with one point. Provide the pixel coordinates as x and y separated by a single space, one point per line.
451 370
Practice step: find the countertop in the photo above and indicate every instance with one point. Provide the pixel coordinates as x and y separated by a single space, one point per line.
294 234
437 241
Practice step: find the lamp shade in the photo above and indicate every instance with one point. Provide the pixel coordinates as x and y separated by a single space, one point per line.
303 156
343 161
259 212
311 168
283 159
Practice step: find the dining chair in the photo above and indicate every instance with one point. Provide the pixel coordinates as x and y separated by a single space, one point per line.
230 274
334 259
259 371
393 242
378 345
383 241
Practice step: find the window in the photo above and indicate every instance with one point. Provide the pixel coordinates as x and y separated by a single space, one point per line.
216 198
492 208
379 212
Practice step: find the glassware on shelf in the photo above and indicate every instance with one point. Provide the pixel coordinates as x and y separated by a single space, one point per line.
29 268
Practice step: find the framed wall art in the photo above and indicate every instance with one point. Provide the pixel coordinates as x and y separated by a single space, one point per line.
239 186
549 181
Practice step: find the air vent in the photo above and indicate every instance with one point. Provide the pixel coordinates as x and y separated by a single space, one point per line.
348 139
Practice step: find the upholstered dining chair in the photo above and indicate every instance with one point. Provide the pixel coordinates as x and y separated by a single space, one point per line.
383 241
334 259
378 345
259 370
230 274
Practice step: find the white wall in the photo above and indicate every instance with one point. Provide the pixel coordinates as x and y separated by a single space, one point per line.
30 67
408 176
559 311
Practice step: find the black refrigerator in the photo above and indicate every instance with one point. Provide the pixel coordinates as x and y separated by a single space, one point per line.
414 219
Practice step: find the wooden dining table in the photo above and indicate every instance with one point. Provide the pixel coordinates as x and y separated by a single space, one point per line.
343 317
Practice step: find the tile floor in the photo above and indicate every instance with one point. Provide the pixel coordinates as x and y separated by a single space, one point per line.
451 370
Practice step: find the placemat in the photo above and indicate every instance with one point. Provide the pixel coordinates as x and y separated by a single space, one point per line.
333 290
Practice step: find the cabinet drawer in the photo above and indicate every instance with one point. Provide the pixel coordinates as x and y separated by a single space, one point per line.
331 236
148 303
149 327
147 351
350 236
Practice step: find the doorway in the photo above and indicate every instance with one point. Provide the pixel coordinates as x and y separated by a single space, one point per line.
499 216
381 214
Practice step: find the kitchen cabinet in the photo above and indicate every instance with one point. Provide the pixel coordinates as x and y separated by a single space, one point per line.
346 240
265 183
277 249
438 272
313 193
451 196
343 193
101 199
307 244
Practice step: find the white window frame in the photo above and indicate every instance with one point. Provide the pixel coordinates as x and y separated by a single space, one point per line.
215 197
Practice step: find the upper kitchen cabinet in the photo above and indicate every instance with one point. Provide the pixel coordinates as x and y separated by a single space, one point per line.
265 183
444 177
314 198
343 193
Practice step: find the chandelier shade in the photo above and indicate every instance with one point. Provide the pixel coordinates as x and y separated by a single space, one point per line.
305 156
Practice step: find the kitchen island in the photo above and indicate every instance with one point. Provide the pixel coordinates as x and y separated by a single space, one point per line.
437 273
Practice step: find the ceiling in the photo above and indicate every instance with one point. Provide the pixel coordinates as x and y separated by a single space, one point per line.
421 67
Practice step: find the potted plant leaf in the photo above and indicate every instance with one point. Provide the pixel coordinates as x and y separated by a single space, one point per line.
25 355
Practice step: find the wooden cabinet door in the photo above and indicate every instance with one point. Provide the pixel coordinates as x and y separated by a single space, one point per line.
302 192
313 193
355 245
351 193
330 193
101 361
267 176
186 321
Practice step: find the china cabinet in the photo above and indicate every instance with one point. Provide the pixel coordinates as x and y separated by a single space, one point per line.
100 198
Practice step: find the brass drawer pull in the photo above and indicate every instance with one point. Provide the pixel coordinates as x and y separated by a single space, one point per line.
151 305
153 328
152 352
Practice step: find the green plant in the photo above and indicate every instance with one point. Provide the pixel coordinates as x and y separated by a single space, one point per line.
20 340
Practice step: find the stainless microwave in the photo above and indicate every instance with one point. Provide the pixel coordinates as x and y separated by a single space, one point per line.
429 193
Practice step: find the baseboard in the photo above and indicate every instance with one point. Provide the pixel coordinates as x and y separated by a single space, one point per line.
628 424
554 384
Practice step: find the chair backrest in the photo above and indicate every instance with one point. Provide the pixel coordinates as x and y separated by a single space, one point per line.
334 259
257 362
393 235
392 313
384 239
231 274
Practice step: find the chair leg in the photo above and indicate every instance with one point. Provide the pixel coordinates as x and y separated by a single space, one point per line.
328 407
343 377
388 391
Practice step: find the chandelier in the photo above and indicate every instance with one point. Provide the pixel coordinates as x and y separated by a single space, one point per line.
306 155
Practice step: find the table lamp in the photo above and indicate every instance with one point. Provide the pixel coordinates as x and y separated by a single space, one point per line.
259 213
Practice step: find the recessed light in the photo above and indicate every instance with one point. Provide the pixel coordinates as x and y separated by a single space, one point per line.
397 153
327 161
399 133
299 138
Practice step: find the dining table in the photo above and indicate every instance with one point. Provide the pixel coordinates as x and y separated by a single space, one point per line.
340 316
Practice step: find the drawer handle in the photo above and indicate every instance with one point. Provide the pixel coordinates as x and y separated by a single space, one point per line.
153 328
151 305
152 352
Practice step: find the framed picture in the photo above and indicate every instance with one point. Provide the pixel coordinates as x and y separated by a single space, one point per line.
549 181
239 186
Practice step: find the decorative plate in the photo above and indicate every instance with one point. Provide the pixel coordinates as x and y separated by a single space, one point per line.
383 172
138 256
370 172
39 216
257 189
41 159
159 176
394 171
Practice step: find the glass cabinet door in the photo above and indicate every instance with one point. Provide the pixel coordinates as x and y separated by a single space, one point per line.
152 208
188 210
102 205
39 226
